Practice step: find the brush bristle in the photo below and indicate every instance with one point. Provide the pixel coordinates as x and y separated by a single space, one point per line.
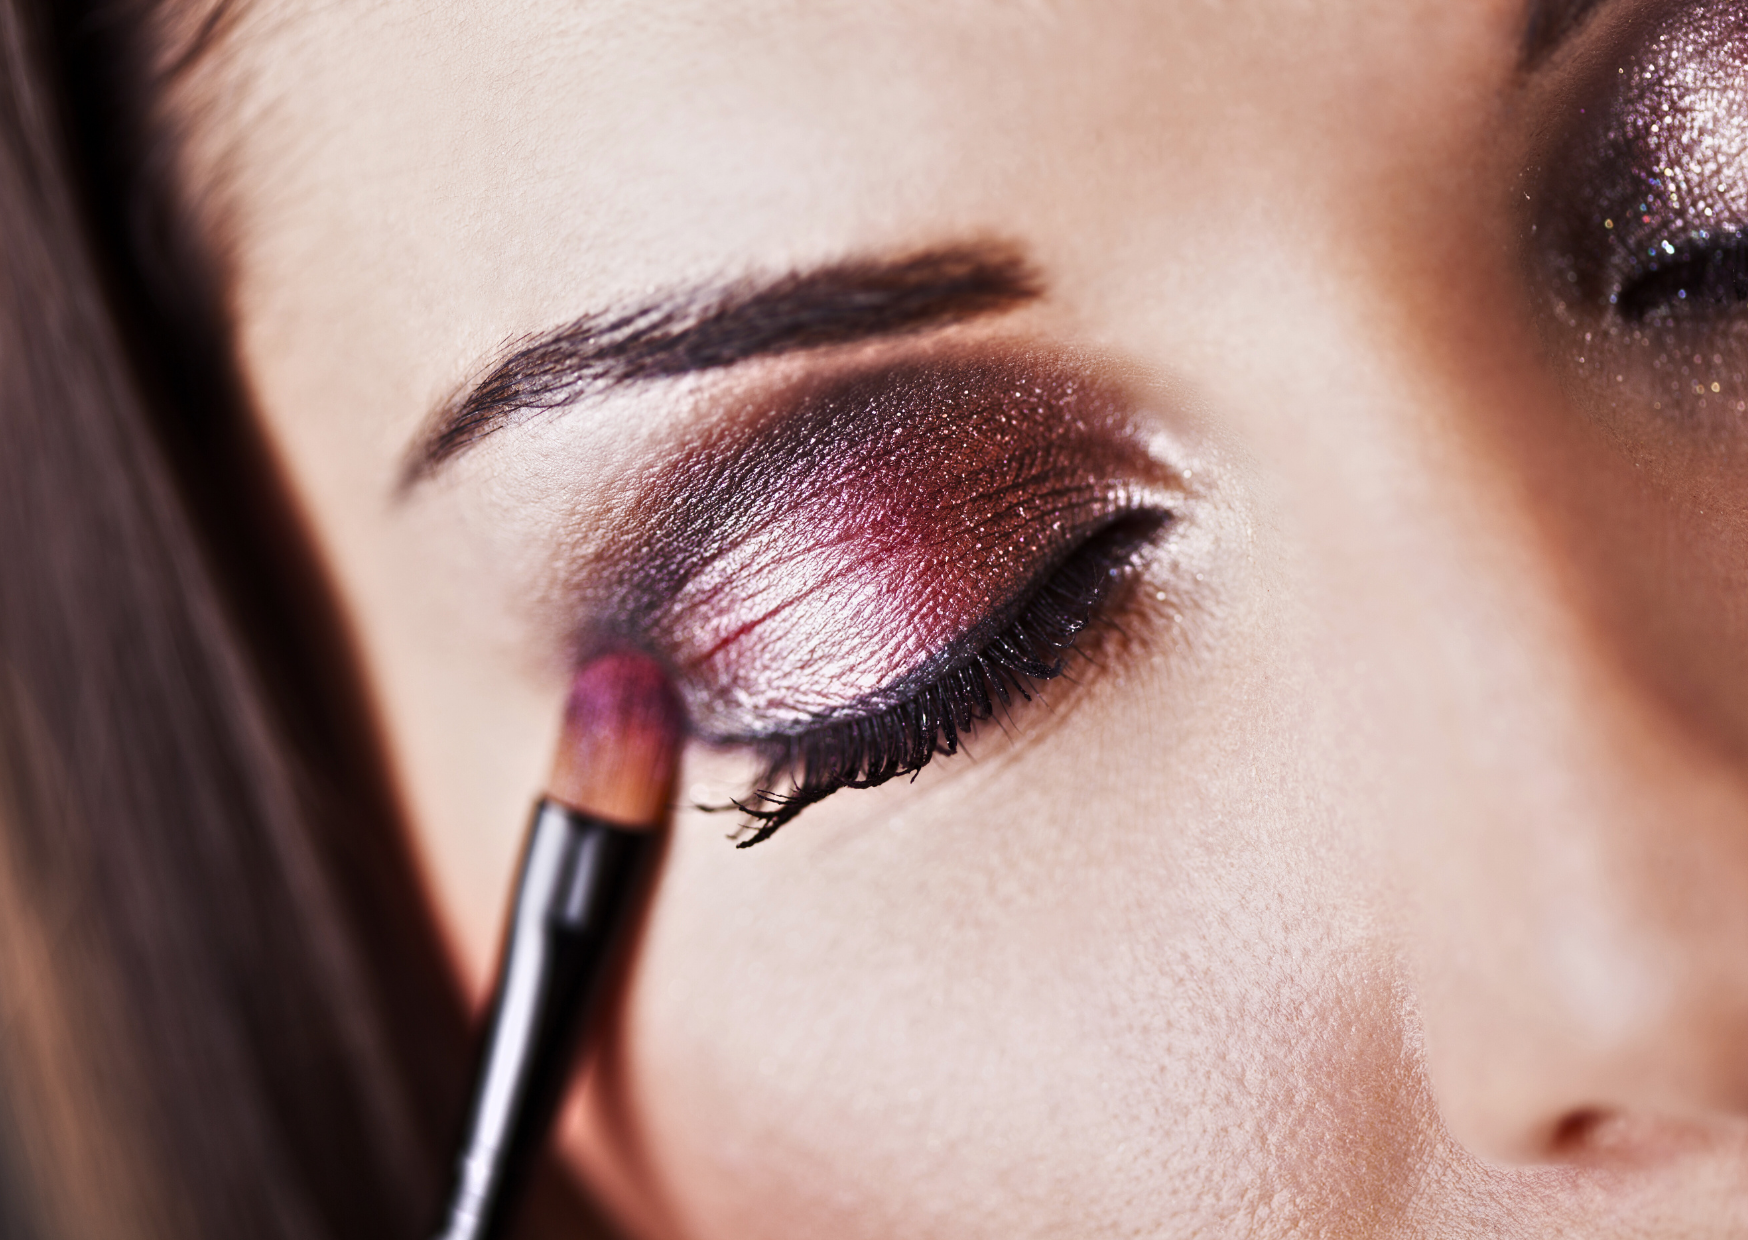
623 726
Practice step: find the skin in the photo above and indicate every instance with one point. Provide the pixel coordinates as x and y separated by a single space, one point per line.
1387 876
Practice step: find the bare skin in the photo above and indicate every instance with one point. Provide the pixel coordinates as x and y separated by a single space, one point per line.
1386 874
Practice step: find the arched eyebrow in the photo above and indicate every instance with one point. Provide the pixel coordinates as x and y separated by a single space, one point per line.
712 328
1549 23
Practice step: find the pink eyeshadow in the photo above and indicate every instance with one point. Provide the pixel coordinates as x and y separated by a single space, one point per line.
921 508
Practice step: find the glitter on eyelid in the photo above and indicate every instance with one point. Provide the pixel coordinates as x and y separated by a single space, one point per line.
925 498
1646 216
1641 217
1676 142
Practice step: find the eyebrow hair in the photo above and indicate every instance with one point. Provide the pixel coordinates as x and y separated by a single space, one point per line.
1549 23
710 329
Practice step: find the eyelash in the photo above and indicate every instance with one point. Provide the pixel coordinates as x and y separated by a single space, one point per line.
1707 277
868 750
1657 227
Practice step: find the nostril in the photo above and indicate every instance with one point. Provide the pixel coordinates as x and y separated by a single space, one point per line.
1604 1136
1582 1134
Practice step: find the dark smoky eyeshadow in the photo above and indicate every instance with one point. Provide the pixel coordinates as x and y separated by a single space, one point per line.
837 538
935 426
1646 208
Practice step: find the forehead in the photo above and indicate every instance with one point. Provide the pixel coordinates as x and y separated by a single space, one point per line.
491 168
666 133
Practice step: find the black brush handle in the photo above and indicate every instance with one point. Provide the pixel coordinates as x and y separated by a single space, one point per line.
581 883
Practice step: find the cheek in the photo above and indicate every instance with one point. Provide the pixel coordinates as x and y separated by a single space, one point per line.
1027 999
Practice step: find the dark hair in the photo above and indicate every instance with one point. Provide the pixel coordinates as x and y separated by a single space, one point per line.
224 1010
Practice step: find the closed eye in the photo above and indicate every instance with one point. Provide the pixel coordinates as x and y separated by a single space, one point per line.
1711 280
938 709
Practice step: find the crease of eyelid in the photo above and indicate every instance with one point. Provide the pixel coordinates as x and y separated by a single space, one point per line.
1551 24
705 329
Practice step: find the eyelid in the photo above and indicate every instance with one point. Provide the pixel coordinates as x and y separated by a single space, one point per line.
933 713
894 511
789 629
1658 145
1642 222
1139 525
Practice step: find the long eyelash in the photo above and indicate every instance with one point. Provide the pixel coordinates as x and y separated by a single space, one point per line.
867 751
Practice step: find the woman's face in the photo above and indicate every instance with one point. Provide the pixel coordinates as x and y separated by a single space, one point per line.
1367 378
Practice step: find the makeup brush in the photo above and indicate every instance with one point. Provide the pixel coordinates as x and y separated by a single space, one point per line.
585 867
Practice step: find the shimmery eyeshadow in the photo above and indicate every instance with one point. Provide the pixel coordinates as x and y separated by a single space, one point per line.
1668 166
1642 216
865 530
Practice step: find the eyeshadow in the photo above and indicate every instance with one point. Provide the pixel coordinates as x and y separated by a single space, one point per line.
1663 157
847 537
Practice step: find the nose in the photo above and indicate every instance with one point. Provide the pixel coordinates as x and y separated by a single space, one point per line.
1583 960
1577 906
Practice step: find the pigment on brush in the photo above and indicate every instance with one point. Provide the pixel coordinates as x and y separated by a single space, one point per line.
585 868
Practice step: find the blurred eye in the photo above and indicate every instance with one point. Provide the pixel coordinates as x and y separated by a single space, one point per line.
1703 280
1645 216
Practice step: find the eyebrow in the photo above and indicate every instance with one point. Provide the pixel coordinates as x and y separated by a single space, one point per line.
712 328
1549 23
